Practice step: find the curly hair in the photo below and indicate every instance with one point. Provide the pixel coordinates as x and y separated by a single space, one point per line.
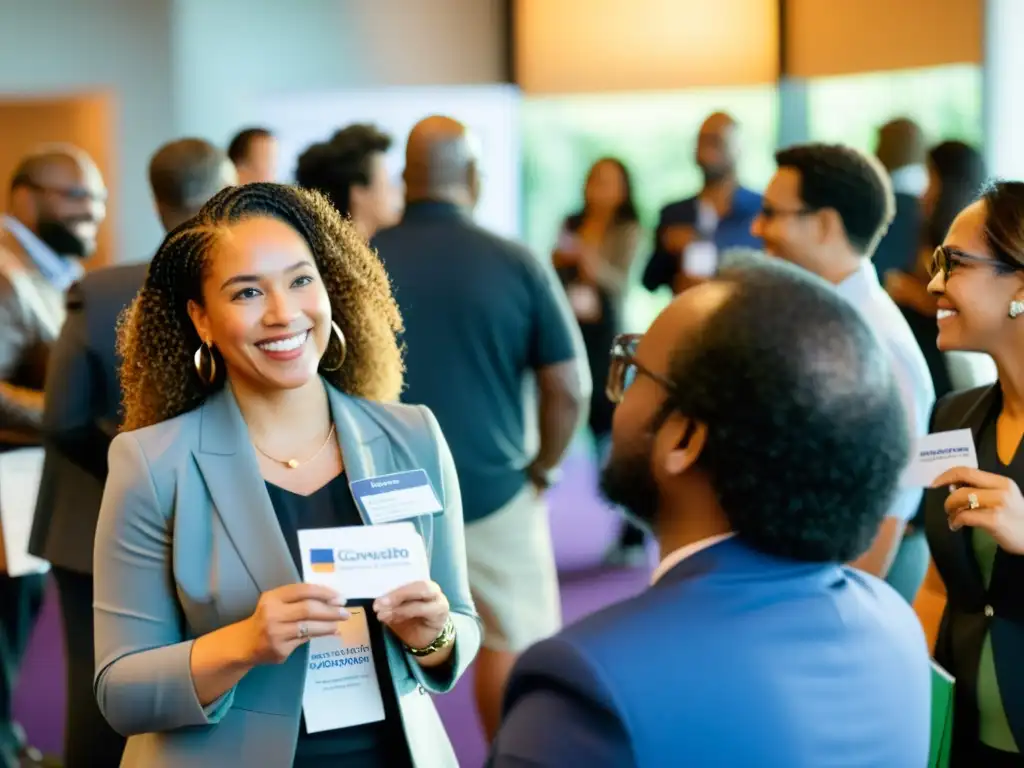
157 339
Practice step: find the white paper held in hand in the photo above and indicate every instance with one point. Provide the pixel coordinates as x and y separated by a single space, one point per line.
700 259
364 562
585 301
21 472
341 688
937 453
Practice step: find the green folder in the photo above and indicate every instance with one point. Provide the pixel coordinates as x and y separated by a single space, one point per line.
942 717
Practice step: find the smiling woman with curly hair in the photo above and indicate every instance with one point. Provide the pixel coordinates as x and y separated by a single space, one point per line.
261 366
158 339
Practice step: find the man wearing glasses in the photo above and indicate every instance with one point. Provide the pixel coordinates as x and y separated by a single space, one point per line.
57 202
825 210
759 435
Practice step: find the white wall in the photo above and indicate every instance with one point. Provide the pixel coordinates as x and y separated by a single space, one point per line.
490 111
225 72
200 67
1004 109
67 46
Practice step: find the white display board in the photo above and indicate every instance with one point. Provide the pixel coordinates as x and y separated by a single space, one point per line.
490 111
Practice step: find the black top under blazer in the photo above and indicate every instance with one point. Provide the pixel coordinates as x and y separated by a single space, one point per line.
971 609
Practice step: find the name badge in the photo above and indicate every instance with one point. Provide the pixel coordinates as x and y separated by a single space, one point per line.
700 259
363 561
585 302
937 453
342 689
397 496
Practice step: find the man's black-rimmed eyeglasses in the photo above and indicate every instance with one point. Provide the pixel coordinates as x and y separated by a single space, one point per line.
624 367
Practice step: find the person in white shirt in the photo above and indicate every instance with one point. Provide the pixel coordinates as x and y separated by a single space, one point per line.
825 210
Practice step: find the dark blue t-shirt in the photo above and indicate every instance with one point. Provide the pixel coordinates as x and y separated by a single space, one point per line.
480 313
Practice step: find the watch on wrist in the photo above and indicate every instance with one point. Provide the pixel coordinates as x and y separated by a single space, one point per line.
442 641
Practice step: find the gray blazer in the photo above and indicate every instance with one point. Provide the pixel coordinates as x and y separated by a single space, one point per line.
187 541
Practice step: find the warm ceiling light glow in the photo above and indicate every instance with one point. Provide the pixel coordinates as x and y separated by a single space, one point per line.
573 46
841 37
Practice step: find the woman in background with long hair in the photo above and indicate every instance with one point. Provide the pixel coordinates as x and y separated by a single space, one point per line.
593 258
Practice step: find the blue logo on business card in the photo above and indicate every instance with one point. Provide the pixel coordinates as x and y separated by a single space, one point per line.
321 560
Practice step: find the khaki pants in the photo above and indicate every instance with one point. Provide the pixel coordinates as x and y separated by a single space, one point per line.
512 574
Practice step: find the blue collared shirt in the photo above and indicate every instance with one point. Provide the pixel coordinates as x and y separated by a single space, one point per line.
733 231
59 271
917 392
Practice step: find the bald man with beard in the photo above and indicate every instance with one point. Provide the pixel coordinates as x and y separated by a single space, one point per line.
56 204
483 320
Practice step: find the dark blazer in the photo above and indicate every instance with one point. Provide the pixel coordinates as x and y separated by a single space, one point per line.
733 231
898 248
83 401
732 658
965 619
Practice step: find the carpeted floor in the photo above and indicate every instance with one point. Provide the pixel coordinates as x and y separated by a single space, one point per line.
582 527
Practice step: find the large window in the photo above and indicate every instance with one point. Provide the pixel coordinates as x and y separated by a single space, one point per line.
654 134
944 101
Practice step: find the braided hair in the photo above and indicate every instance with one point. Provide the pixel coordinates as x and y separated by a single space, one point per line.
157 340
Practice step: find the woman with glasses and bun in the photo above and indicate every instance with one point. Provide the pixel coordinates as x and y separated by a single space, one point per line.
975 517
593 259
261 369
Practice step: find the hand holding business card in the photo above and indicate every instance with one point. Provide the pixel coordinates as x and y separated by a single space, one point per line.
364 561
272 630
988 501
386 563
416 613
937 453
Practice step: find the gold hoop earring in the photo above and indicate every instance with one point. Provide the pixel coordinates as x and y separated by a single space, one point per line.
197 360
344 349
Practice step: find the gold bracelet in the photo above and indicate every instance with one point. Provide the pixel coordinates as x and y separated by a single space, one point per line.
443 640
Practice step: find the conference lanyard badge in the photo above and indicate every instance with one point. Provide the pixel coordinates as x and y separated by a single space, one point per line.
396 496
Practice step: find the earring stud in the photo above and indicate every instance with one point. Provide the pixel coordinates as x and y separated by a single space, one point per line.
1016 308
